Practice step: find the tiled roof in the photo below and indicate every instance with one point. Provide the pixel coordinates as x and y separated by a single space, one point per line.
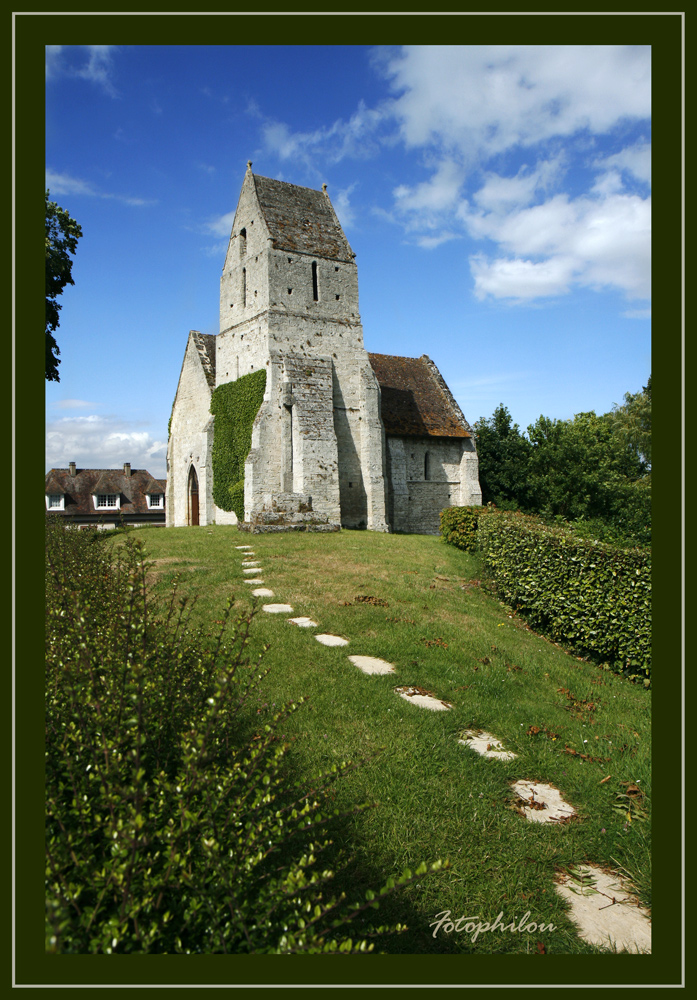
79 489
301 220
205 345
416 402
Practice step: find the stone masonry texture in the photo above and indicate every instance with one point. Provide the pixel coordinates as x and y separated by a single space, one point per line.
342 437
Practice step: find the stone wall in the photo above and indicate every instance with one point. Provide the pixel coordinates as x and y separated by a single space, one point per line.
426 475
190 443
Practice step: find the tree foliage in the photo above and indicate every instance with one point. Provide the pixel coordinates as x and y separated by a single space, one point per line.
592 470
62 234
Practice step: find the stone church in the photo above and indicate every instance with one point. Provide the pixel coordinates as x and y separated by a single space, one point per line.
343 438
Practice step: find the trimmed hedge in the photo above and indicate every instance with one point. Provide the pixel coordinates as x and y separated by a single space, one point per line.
458 526
592 597
234 406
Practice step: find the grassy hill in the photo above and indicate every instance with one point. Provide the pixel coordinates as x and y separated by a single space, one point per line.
417 603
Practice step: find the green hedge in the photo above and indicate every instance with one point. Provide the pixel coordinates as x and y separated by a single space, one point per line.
592 597
234 406
458 526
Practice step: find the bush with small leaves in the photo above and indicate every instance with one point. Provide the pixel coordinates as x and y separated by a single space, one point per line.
167 830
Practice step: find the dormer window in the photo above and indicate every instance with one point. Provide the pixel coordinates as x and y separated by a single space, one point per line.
107 501
55 501
156 501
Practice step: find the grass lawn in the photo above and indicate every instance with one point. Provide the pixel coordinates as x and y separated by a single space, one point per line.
570 723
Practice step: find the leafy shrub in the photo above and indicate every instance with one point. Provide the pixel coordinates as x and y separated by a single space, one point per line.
593 597
234 406
164 824
458 526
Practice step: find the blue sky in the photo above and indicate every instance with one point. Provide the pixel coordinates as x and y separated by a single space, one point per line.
497 199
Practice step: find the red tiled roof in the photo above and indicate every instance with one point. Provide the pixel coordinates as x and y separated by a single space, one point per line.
416 402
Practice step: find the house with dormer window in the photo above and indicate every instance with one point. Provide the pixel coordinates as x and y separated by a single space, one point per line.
105 498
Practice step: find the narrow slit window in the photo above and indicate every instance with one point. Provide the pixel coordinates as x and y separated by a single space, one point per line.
315 286
427 466
243 242
244 286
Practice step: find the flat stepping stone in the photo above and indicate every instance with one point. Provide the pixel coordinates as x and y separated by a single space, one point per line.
247 548
622 924
420 696
253 581
262 592
303 622
331 640
542 803
372 665
277 609
486 745
252 569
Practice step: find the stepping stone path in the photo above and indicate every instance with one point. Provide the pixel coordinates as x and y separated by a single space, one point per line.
543 803
486 745
331 640
604 908
372 665
420 696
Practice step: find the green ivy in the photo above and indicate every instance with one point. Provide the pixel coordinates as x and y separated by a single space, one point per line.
234 406
592 597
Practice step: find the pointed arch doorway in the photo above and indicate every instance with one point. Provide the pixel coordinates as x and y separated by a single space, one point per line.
192 492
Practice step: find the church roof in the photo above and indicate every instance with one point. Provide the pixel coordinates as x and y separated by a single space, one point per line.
416 402
301 220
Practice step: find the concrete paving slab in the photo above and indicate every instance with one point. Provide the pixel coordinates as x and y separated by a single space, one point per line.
425 699
277 609
606 910
263 592
372 665
486 745
331 640
303 622
542 803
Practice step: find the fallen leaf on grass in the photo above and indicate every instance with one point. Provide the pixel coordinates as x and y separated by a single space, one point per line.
369 599
606 779
540 948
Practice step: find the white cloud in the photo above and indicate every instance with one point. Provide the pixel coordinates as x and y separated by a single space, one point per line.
598 241
482 100
93 63
96 442
72 404
221 225
64 184
520 280
634 159
342 206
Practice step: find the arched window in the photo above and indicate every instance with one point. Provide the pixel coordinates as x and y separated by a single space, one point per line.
192 491
243 242
427 466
